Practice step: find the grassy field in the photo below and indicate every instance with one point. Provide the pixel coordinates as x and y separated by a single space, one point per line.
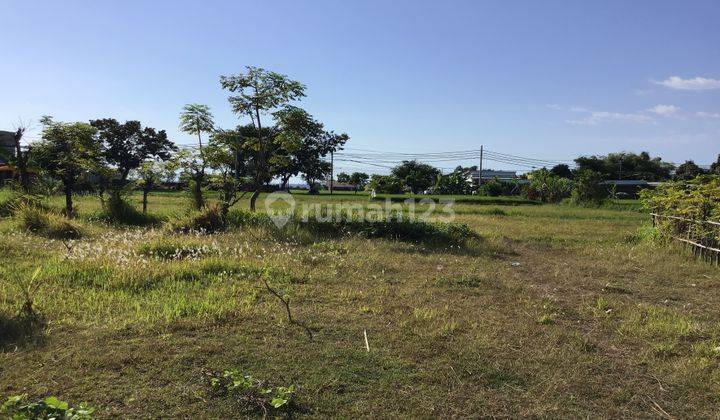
558 311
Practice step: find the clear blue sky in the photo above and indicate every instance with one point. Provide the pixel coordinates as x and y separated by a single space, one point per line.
548 79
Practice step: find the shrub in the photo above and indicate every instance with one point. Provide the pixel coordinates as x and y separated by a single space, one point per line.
117 210
587 189
48 224
386 184
16 407
174 249
208 221
546 187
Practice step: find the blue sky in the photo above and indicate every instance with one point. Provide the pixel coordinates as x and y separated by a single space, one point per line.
546 79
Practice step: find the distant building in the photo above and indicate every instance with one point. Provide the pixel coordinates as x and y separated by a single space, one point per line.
628 188
488 174
339 186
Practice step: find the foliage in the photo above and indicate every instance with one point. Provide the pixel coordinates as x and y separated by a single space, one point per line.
688 171
385 184
359 180
126 146
626 165
207 221
116 209
546 187
492 188
197 119
415 175
715 166
48 224
456 183
697 200
66 152
16 407
11 200
254 396
562 170
587 188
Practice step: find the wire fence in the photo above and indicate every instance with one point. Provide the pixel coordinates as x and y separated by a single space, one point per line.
702 236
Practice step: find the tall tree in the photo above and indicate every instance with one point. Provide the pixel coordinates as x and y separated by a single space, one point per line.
359 180
562 170
197 119
688 170
126 146
417 176
67 151
256 93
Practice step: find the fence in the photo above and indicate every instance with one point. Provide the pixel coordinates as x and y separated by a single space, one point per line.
702 236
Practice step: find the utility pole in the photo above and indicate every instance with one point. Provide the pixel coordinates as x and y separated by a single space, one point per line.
332 170
480 167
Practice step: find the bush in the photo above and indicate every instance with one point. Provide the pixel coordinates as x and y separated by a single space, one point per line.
244 218
253 396
546 187
174 249
587 189
117 210
386 184
48 224
16 407
208 221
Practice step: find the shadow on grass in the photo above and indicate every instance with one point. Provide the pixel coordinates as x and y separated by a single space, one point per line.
20 330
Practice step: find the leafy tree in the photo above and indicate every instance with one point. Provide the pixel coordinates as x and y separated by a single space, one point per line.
688 170
151 173
587 188
197 119
343 178
221 155
626 165
359 180
415 175
258 92
547 187
126 146
562 170
386 184
715 167
67 151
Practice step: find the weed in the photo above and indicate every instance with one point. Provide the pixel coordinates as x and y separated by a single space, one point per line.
50 225
16 407
173 249
253 395
208 221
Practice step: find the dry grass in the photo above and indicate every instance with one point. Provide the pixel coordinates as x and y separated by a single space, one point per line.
558 313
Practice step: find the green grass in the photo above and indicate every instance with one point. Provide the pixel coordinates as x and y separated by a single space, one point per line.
555 311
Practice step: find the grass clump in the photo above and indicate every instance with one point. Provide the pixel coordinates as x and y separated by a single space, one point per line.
11 201
117 210
47 224
208 221
174 249
418 231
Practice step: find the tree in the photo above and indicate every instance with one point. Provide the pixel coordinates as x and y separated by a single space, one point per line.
126 146
385 184
256 93
221 154
587 188
415 175
715 167
197 119
562 170
359 180
688 170
152 172
67 151
343 178
626 165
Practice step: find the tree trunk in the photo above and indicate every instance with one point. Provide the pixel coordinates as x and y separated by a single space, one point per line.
68 200
145 201
253 198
